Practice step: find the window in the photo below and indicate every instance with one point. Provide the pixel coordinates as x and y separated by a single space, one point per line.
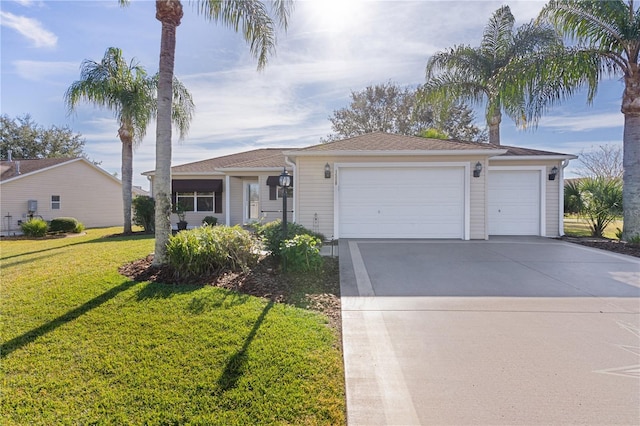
196 201
55 202
289 192
275 191
253 201
198 195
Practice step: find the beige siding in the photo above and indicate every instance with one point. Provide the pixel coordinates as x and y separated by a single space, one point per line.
235 200
86 193
553 206
478 199
314 195
271 210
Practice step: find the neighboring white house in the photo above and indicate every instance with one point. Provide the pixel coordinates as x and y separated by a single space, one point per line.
382 185
59 187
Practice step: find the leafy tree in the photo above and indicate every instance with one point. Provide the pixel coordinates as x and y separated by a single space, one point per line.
390 108
605 161
257 24
28 140
597 199
491 74
607 37
130 94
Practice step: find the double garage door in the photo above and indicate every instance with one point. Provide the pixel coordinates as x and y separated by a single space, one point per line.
401 202
429 202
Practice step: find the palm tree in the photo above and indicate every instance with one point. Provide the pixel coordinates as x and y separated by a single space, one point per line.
607 36
490 73
257 24
130 93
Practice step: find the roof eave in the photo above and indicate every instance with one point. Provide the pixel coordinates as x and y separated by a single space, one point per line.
397 153
248 169
535 157
213 172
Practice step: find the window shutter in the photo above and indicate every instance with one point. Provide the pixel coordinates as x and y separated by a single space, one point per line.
217 202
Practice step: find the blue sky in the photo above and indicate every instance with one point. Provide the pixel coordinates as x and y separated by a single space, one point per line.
332 47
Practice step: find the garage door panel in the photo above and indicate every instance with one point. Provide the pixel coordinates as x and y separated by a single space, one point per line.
393 202
514 202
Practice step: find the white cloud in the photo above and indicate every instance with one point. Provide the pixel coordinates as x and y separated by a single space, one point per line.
30 28
583 122
41 70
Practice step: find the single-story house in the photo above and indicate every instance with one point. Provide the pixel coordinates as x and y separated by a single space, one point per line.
382 185
59 187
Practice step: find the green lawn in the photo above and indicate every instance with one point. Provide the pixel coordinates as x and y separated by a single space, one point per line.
578 227
82 344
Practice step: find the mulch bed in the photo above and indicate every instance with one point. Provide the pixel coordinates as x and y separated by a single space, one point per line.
605 244
263 280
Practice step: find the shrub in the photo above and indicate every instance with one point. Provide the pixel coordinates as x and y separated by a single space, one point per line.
302 253
210 220
34 228
64 224
144 213
601 201
272 236
208 250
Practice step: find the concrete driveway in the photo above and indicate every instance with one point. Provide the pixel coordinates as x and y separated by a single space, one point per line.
507 331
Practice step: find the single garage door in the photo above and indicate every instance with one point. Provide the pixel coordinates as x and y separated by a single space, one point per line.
401 202
514 202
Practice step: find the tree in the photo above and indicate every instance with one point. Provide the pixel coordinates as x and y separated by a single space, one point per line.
490 74
257 26
130 94
28 140
607 36
605 161
390 108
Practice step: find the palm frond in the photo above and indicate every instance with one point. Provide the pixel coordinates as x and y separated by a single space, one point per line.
252 18
498 34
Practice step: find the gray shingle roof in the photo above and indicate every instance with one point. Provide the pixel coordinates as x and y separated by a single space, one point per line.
9 169
262 157
380 141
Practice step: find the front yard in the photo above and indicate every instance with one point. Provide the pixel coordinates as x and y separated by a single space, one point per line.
83 344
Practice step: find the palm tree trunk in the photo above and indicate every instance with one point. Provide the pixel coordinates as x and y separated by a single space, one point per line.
631 177
494 128
127 176
169 13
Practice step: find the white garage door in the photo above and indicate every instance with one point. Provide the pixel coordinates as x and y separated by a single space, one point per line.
401 202
514 202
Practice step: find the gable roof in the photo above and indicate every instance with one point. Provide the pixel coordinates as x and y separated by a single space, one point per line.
380 143
15 168
254 159
9 169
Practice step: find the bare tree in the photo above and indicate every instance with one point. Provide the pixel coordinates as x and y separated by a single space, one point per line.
605 161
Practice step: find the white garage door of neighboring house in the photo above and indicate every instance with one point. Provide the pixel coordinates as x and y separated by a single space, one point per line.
401 202
514 202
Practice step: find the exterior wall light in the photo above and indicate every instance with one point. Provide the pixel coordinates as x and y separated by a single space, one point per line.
477 169
327 171
554 173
